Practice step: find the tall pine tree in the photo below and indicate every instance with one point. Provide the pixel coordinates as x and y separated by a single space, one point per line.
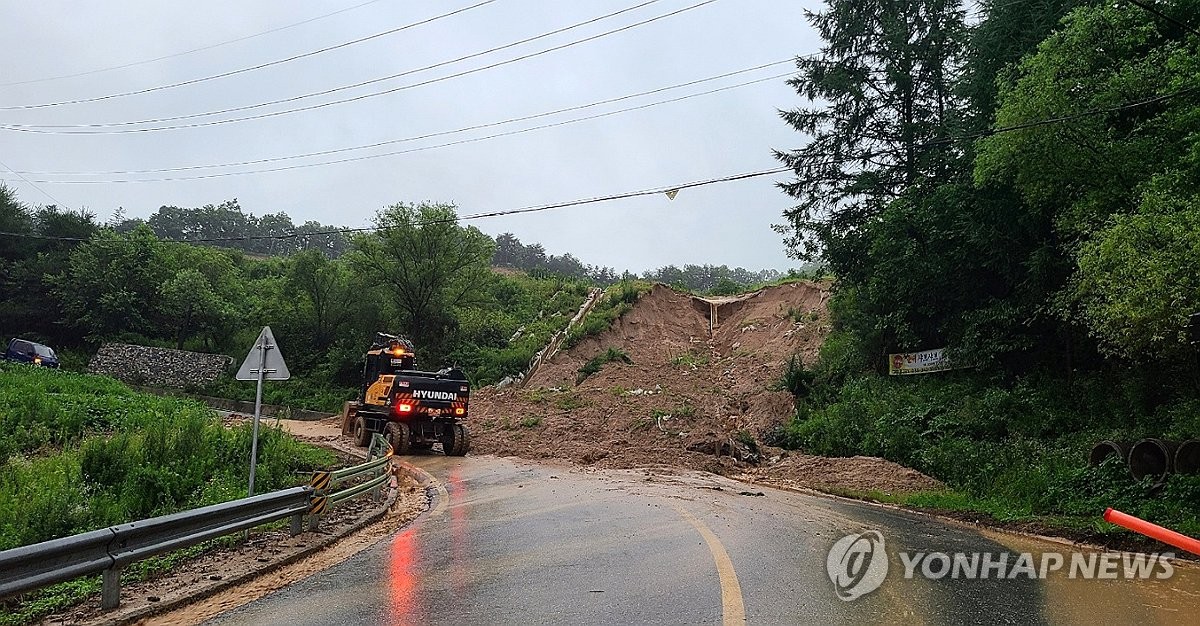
880 91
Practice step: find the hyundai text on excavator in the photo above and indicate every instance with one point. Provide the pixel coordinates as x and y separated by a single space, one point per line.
412 409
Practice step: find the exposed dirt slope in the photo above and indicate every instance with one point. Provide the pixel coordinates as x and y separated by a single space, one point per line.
689 399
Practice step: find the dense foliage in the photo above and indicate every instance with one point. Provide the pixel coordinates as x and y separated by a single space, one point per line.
226 225
81 452
1023 190
419 273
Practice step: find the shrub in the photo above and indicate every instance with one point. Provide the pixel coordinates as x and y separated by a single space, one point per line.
617 301
609 356
795 379
1010 448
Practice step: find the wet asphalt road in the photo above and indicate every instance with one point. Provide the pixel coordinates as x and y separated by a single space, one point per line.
512 542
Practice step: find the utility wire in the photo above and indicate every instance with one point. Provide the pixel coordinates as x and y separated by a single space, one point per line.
455 131
473 216
927 144
1151 9
37 129
1064 118
31 184
248 69
420 149
630 194
187 52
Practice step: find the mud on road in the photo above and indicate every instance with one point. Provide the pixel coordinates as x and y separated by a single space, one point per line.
223 578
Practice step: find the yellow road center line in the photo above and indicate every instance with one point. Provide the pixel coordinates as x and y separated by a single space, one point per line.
732 609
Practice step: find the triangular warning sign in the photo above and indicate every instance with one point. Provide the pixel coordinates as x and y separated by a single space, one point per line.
672 193
265 355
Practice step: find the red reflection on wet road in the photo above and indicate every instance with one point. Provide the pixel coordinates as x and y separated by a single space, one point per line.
402 579
458 532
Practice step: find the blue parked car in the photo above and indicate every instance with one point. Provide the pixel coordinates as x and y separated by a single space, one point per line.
24 351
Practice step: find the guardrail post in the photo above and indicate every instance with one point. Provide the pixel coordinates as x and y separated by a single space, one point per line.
377 493
319 501
297 524
379 446
385 449
110 595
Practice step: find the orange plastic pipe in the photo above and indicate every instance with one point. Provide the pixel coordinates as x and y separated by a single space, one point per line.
1154 531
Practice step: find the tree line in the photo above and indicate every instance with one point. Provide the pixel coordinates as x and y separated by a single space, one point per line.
708 279
1020 186
1067 242
73 282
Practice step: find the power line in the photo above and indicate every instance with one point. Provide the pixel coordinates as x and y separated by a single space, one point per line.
927 144
645 192
1064 118
36 128
473 216
455 131
248 69
31 184
187 52
422 148
1151 9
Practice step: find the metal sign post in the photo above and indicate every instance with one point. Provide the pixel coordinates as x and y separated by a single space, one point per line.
263 363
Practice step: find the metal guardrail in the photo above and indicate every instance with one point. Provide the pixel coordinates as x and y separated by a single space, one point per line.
324 481
358 490
49 562
109 550
358 470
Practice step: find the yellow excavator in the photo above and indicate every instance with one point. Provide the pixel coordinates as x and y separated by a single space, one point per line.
413 410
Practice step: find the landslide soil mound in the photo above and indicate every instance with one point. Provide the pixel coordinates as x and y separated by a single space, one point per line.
699 393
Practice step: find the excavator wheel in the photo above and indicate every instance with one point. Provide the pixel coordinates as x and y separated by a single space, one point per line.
362 436
456 441
399 436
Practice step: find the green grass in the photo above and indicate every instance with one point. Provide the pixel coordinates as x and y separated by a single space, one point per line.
681 410
803 316
538 395
616 301
569 402
641 424
690 359
531 422
612 355
85 452
301 392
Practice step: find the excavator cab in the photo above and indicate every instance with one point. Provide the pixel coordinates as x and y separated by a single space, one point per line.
389 354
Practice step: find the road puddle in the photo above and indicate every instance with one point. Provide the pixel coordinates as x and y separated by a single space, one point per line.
1083 601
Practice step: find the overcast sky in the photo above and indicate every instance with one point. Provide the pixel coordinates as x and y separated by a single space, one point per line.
704 137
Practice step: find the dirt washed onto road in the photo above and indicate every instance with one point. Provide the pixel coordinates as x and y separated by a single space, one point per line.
691 398
224 578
